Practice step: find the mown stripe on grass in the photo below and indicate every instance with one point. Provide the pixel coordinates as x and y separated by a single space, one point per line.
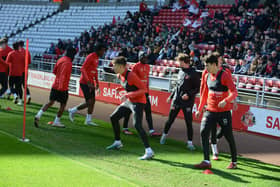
72 160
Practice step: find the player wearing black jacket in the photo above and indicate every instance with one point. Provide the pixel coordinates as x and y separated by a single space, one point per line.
183 98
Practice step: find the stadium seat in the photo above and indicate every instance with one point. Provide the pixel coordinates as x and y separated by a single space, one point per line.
268 85
276 86
67 24
259 84
242 81
251 83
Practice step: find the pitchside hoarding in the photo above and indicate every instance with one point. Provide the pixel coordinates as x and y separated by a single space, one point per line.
45 80
247 118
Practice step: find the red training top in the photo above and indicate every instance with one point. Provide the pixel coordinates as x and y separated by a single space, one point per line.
4 53
15 61
142 71
137 96
23 51
205 72
89 69
62 70
212 98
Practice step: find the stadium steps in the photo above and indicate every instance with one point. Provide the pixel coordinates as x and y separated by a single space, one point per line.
16 18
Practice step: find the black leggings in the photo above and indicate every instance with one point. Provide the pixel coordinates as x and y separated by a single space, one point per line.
216 134
121 111
188 119
211 119
3 82
15 83
148 112
23 84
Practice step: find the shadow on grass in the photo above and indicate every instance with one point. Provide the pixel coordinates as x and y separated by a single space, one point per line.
258 175
20 113
220 173
247 162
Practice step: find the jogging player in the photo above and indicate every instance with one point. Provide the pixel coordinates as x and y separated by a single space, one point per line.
183 98
216 135
59 91
4 67
218 93
89 74
15 61
142 70
134 101
23 53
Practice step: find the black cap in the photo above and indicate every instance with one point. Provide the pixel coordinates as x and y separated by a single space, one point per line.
142 54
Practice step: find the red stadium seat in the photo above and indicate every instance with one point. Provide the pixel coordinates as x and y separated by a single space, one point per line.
268 85
242 81
234 78
211 47
251 83
276 86
155 74
159 68
170 63
164 62
259 84
154 69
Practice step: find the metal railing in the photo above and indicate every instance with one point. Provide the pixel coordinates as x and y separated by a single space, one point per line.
254 97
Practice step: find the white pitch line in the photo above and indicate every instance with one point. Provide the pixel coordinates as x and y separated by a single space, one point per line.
70 159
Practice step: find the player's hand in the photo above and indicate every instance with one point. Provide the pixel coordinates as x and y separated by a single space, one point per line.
123 98
90 85
97 91
97 87
185 97
118 89
235 106
222 104
197 114
168 100
204 109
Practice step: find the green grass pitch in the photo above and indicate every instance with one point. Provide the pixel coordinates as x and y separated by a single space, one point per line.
76 156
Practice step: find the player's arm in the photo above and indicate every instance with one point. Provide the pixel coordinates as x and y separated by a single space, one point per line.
9 58
84 68
227 81
2 61
96 76
203 94
55 69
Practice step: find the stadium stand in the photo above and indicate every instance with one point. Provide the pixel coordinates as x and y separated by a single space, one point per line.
15 17
70 24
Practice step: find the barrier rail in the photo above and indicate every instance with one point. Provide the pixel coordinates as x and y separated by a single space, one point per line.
258 97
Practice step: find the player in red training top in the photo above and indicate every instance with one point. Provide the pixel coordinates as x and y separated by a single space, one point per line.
134 101
59 91
15 61
218 93
216 135
4 67
23 53
142 70
89 73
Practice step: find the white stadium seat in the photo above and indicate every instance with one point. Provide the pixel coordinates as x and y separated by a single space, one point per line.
67 24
